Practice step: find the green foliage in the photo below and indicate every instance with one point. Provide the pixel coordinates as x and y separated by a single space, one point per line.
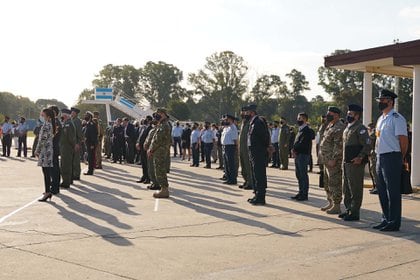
221 84
159 83
179 109
44 103
17 106
298 83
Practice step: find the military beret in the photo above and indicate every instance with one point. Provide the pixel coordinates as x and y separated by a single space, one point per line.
334 109
149 118
65 111
355 108
74 109
384 93
96 113
251 107
227 116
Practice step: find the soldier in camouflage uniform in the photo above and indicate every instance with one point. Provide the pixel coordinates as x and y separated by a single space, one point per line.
79 142
356 148
332 156
321 131
372 158
244 155
284 140
67 148
158 150
98 148
150 165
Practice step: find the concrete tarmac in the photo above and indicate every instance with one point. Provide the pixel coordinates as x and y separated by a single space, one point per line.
107 226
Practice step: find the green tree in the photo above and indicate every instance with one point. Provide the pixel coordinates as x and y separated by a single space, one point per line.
298 83
160 83
179 109
221 83
43 103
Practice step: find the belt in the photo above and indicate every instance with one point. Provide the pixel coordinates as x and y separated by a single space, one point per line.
390 153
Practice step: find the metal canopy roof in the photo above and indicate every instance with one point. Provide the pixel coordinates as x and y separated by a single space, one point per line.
395 60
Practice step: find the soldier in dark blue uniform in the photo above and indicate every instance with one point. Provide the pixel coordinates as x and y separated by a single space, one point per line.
258 142
391 148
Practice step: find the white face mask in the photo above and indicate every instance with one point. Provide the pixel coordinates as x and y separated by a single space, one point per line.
41 119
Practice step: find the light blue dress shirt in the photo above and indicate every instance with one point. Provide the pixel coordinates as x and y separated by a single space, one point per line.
388 128
275 135
229 135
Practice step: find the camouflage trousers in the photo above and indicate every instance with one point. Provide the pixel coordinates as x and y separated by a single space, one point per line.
246 167
160 162
98 154
151 170
333 183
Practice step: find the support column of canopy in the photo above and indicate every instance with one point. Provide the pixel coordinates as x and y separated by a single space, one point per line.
415 153
367 98
108 113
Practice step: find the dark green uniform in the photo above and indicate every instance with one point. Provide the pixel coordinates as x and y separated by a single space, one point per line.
79 140
284 139
356 144
150 165
372 157
67 144
244 155
159 146
98 148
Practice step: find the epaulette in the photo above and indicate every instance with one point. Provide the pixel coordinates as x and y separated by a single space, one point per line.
396 115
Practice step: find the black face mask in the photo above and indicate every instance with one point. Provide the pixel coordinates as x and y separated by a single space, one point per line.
299 123
382 106
282 123
247 117
330 118
350 119
157 117
87 119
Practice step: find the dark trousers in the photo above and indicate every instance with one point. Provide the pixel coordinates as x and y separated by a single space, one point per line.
220 155
276 155
143 159
177 144
117 151
131 146
301 171
55 175
195 154
229 156
202 151
388 168
46 171
91 157
34 145
7 144
22 145
208 147
258 158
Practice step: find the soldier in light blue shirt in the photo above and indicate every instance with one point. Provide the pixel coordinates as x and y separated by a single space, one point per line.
208 138
229 142
195 145
391 147
22 132
7 136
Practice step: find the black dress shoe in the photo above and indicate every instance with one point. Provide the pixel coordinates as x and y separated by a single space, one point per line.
147 181
248 188
223 178
374 191
141 180
76 178
252 199
390 227
230 183
350 217
258 201
342 215
381 225
64 186
88 173
241 186
302 198
296 196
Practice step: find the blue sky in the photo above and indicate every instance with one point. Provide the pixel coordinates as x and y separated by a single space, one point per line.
53 49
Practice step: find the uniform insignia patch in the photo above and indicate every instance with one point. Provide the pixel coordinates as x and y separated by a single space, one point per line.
363 131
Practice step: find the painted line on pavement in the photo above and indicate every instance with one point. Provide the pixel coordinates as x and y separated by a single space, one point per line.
156 204
18 210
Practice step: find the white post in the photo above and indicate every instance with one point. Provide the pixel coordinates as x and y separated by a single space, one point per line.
367 98
397 92
415 150
108 113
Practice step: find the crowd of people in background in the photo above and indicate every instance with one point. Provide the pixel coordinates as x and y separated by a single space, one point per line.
343 147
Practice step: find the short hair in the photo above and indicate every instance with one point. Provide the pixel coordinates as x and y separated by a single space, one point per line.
125 119
303 114
55 109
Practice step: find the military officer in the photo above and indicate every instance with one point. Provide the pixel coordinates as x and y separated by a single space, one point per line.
284 140
68 142
331 156
372 158
98 149
391 148
356 148
229 142
79 142
150 165
158 150
321 131
91 136
258 142
243 152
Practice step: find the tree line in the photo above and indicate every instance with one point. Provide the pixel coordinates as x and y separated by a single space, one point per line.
222 86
